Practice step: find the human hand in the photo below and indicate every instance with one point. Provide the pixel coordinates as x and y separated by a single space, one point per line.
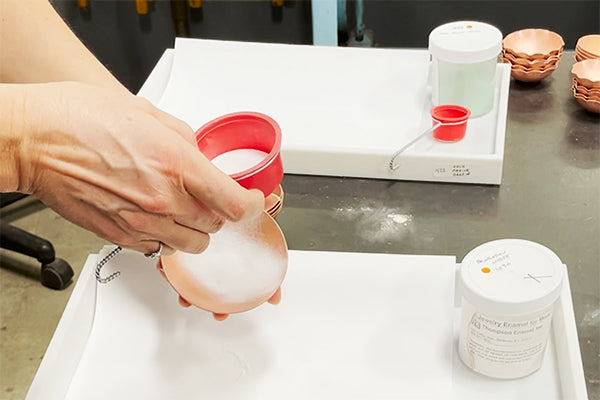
274 299
116 165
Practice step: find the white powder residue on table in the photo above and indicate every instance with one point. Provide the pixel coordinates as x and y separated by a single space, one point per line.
236 266
376 222
238 160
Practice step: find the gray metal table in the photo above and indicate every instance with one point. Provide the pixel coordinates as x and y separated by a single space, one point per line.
550 193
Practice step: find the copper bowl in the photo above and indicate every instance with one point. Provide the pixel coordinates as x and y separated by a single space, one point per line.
243 266
530 76
589 105
589 45
538 63
593 93
534 43
587 72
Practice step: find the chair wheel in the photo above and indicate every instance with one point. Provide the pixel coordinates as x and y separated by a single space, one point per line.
57 274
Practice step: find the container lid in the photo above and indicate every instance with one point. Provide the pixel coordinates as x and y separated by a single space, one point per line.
465 42
511 277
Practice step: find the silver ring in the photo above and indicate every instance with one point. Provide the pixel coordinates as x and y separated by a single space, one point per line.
157 253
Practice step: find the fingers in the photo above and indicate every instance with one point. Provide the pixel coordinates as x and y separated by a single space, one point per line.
205 182
220 317
216 195
161 249
145 246
105 225
147 229
167 250
183 238
219 192
197 216
183 302
276 298
178 237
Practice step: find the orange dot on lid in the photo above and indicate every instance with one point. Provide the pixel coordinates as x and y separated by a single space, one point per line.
486 270
469 26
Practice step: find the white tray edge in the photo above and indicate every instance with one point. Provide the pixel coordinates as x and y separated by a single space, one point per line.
430 167
564 330
565 340
64 352
485 169
56 371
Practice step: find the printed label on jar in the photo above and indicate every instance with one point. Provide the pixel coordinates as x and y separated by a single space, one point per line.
503 347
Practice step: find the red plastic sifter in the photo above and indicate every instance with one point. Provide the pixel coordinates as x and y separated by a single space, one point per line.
449 124
246 130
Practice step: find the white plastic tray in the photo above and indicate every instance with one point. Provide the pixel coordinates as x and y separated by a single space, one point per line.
561 376
343 111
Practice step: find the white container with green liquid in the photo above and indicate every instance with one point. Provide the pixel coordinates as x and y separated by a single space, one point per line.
464 55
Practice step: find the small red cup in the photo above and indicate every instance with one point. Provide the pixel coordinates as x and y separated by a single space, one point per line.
246 130
451 120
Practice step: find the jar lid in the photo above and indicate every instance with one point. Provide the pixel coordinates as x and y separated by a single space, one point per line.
465 42
511 277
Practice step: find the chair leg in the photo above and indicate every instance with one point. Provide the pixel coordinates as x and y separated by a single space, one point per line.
56 273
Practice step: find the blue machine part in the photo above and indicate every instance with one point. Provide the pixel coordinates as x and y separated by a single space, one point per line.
325 22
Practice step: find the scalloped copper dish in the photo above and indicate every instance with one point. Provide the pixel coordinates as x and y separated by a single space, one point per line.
530 76
537 63
589 105
534 43
579 88
534 58
536 69
587 72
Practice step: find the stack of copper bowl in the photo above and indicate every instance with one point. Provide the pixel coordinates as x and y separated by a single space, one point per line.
587 47
586 84
274 202
532 53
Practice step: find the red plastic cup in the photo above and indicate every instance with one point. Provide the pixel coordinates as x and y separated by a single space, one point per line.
246 130
451 120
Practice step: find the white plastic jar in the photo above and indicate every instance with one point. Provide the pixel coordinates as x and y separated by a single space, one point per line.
464 55
508 290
